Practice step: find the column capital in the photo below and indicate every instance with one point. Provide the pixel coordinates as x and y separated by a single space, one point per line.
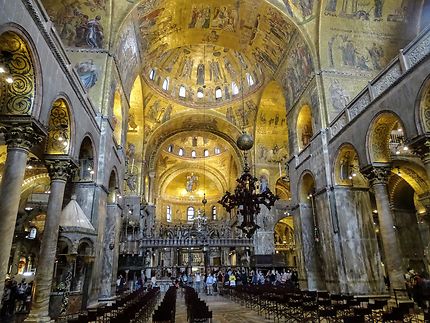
22 136
376 174
60 168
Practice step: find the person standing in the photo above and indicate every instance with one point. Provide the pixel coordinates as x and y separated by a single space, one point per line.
209 284
232 280
198 281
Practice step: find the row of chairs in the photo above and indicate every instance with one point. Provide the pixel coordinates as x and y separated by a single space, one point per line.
292 305
167 309
197 310
135 307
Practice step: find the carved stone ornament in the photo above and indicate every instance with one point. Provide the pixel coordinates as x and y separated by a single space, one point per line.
421 148
377 174
22 136
60 169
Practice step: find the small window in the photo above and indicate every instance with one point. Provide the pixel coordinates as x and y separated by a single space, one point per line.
214 213
234 88
218 93
190 213
206 153
169 214
152 74
181 152
170 148
249 79
217 151
200 93
193 154
166 84
182 91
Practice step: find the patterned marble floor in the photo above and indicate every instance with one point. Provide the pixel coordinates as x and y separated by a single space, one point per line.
223 311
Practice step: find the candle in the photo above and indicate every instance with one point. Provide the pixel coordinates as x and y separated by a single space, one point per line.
132 166
280 169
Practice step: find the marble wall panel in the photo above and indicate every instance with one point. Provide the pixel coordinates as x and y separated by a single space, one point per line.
362 262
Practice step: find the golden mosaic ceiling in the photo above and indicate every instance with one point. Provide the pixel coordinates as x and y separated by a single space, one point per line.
200 54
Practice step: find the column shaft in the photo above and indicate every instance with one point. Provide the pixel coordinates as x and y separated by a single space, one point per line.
393 257
48 248
10 193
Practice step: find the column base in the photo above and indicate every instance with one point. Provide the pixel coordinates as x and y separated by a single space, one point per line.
38 318
108 300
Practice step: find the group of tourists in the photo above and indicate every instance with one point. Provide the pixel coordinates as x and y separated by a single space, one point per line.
16 298
213 281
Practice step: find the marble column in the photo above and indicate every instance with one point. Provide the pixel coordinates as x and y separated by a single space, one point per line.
111 253
151 188
99 223
310 256
59 171
19 140
378 178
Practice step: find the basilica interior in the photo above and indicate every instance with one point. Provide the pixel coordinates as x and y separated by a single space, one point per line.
152 138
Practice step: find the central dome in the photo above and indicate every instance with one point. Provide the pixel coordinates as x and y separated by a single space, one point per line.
203 75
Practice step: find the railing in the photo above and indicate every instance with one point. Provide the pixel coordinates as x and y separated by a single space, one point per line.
409 57
178 243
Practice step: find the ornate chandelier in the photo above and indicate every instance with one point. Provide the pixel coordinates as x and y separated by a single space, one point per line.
248 195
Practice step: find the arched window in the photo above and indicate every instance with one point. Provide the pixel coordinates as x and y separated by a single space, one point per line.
234 88
193 154
170 148
200 93
190 213
152 74
217 151
250 79
181 152
206 153
182 91
166 84
214 214
169 214
218 93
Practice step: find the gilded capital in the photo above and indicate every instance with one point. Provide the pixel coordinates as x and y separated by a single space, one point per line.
22 136
377 174
60 169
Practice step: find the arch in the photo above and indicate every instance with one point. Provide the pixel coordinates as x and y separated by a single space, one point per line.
347 167
424 107
379 136
282 189
87 160
59 128
285 241
117 118
85 247
113 187
20 95
184 123
304 126
412 173
306 186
